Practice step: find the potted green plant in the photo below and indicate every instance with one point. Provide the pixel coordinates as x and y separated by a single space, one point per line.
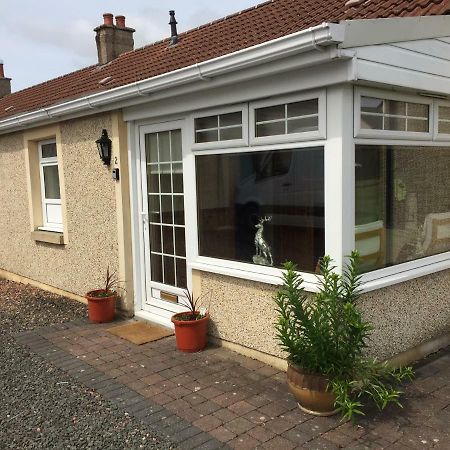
191 327
102 302
325 337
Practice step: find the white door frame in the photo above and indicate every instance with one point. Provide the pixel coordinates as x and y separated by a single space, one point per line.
159 311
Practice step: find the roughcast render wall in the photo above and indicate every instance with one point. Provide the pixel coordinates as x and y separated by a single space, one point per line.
90 206
404 315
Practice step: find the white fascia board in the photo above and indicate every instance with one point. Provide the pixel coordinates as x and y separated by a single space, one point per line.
363 32
306 40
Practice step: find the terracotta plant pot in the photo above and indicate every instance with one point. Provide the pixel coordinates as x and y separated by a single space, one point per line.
190 335
310 391
101 309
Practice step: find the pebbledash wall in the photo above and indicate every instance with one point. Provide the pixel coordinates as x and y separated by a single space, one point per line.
89 209
97 234
404 315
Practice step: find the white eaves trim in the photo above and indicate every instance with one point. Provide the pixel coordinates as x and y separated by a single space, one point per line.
306 40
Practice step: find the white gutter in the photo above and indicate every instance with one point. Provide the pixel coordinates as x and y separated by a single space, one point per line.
302 41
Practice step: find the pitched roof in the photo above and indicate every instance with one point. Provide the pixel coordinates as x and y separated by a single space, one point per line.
262 23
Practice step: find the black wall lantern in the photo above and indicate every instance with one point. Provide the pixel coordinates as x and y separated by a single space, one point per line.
104 148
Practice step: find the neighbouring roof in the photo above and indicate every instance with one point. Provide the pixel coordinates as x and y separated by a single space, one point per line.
262 23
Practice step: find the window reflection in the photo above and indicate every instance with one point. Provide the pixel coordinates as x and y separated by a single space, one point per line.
402 203
235 191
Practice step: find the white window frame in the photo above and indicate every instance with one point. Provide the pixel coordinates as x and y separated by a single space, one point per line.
249 271
243 108
387 276
318 134
439 136
391 134
48 162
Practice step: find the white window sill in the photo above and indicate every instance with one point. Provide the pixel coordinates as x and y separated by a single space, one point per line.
259 274
370 282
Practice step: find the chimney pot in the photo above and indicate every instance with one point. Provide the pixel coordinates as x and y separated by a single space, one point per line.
2 72
120 21
108 19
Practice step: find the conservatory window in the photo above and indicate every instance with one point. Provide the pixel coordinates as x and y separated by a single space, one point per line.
218 127
394 115
262 207
402 203
289 118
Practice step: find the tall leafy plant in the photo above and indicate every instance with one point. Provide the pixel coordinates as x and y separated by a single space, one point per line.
326 334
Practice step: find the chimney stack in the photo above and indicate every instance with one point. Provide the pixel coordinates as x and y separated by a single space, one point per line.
113 40
5 83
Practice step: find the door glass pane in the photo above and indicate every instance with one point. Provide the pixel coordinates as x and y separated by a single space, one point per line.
169 270
177 173
156 265
164 146
166 209
51 182
180 241
168 240
155 238
176 145
153 208
178 207
181 273
164 176
152 179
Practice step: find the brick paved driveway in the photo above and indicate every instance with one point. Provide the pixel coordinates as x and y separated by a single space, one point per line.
220 399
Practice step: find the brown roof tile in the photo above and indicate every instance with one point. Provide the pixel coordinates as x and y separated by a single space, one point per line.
253 26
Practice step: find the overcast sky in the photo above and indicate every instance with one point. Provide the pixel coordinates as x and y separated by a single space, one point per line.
40 40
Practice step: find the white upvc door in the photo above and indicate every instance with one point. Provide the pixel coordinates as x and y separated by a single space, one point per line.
163 219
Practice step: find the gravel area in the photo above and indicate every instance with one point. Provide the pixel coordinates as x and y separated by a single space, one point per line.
41 406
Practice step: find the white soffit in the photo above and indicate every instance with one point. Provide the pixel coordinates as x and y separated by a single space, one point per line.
364 32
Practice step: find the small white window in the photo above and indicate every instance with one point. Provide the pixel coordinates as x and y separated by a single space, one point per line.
394 115
297 117
288 119
221 128
50 191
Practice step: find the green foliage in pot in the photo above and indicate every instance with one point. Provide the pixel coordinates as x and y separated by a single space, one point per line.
192 304
326 334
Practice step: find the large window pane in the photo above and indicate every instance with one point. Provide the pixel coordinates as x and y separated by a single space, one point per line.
402 203
236 191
